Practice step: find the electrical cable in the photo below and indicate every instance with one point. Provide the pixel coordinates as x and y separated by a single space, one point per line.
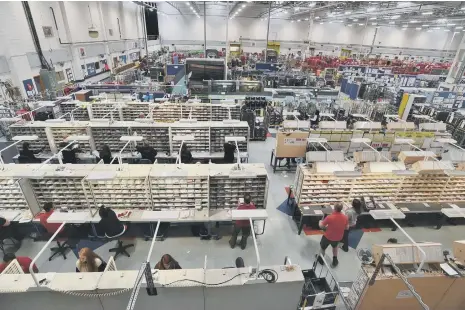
269 275
207 284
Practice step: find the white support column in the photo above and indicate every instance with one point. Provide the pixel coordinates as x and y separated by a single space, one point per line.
458 65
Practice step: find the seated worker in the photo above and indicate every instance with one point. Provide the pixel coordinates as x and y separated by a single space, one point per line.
242 225
315 119
105 154
69 154
28 156
167 262
229 150
147 152
9 230
186 155
109 223
88 261
23 261
51 228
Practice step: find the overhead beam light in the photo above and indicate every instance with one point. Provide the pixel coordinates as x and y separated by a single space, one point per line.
360 24
418 28
392 23
426 13
372 18
459 27
424 25
395 16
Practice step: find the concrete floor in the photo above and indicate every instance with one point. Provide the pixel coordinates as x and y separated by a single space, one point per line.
280 238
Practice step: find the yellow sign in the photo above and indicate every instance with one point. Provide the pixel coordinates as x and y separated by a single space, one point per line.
403 105
274 46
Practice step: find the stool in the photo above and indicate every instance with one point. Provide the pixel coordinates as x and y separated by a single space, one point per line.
60 249
120 248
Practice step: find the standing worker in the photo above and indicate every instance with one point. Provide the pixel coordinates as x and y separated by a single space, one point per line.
229 149
334 226
242 225
352 215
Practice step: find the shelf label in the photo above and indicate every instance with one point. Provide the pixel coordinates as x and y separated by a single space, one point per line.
295 141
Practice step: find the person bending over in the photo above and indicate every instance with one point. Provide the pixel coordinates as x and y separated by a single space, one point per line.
334 226
88 261
167 262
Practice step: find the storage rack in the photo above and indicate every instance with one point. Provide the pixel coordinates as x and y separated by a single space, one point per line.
78 115
171 188
160 136
128 188
167 186
30 129
129 111
312 188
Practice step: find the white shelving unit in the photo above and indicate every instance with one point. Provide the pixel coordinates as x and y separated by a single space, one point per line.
209 136
136 187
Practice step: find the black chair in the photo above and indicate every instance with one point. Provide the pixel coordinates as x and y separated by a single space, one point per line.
120 248
61 248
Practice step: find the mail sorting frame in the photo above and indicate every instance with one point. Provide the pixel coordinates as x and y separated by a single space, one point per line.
90 175
128 111
105 132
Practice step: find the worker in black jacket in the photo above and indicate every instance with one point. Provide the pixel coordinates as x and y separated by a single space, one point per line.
69 153
229 149
109 222
147 152
28 156
186 155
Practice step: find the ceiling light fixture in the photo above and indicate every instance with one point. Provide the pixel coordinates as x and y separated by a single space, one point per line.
350 25
374 24
404 28
392 23
395 16
459 27
414 21
298 20
371 9
424 25
355 20
429 30
436 28
347 13
451 24
446 30
426 13
244 5
372 18
419 28
292 21
360 24
318 17
296 9
306 18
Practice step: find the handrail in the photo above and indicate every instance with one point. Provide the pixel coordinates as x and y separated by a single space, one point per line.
256 247
31 266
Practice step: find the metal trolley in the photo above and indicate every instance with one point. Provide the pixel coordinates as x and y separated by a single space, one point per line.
321 289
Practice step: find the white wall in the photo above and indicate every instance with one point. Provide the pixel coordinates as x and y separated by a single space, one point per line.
73 20
176 27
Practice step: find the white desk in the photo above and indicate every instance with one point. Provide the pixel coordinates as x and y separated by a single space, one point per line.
164 277
16 282
154 216
118 279
9 215
76 281
258 214
77 217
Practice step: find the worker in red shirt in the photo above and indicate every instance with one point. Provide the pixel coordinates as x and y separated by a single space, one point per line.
51 228
23 261
242 225
334 225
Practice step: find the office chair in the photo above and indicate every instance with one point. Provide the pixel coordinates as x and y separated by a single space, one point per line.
60 249
120 248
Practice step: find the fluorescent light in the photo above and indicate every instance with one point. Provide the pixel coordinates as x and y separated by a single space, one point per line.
306 19
424 25
459 27
298 20
296 9
350 25
355 20
293 21
318 17
427 13
131 138
330 22
414 21
25 138
404 28
395 16
183 138
418 28
360 24
321 23
372 18
374 24
232 139
451 24
429 30
446 30
347 13
371 9
392 23
436 28
244 5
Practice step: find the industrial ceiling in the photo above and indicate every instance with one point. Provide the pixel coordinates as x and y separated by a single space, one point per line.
422 15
